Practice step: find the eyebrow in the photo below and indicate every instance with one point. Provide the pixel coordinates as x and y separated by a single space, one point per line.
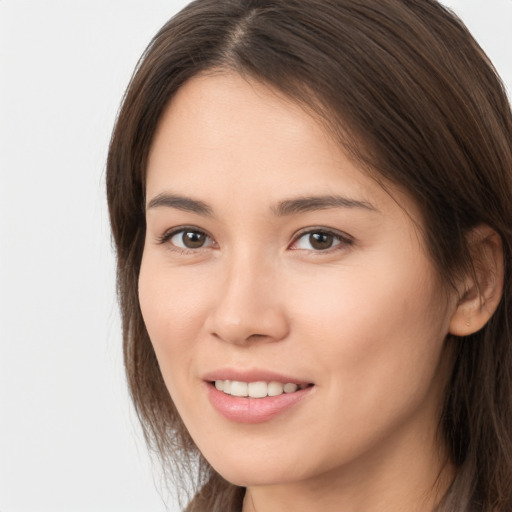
181 203
313 203
282 209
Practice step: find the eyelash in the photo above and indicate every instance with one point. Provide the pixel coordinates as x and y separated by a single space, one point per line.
168 235
343 239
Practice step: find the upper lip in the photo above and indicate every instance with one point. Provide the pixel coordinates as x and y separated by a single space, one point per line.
252 375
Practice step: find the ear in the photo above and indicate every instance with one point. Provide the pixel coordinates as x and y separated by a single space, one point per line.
481 289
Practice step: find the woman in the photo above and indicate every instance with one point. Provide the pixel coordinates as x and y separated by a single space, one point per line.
310 202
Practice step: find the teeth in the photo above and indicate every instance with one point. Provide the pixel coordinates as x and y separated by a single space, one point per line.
275 389
290 388
256 389
238 388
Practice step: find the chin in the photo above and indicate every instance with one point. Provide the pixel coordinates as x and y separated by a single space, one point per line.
249 477
274 469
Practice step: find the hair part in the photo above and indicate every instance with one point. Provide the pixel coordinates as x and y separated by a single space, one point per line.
411 96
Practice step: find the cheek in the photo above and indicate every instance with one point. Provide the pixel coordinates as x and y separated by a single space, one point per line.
173 308
373 302
172 314
380 328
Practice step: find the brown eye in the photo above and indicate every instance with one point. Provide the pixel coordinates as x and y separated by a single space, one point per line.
190 239
321 241
193 239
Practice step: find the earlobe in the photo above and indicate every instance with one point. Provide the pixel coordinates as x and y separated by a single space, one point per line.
482 289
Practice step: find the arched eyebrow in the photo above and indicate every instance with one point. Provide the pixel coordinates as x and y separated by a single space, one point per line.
186 204
313 203
282 209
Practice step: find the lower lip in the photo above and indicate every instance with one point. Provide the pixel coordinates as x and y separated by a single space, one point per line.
253 410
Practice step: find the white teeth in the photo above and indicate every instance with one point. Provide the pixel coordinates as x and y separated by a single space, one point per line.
256 389
275 389
290 388
238 388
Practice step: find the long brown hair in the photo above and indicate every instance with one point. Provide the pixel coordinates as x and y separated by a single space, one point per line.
410 94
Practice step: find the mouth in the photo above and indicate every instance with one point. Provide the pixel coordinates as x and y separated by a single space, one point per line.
258 389
255 397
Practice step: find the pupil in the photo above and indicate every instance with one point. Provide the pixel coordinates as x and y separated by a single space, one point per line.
321 240
193 239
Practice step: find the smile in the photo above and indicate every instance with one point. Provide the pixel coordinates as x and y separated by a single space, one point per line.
258 389
255 401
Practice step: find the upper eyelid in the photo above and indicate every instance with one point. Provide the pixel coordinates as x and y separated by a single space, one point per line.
318 229
169 233
344 239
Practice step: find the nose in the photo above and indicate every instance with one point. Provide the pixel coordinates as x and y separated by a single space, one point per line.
248 307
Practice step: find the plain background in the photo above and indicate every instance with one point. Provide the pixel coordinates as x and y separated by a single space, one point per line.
69 441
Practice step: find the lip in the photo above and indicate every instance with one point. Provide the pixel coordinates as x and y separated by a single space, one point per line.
253 410
252 376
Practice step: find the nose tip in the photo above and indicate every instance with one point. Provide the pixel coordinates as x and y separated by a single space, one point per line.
248 309
249 327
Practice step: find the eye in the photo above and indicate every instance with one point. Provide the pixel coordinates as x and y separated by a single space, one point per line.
187 239
320 240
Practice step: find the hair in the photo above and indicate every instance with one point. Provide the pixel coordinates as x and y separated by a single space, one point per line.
412 97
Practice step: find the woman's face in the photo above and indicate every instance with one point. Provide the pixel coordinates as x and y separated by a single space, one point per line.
270 257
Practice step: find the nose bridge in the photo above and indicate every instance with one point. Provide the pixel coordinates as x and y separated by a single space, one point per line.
248 307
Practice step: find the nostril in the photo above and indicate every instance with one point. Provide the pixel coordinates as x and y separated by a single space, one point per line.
256 336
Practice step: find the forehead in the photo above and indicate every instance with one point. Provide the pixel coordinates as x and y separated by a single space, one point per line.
227 136
224 113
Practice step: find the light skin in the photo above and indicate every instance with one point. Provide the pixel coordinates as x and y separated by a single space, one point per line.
338 291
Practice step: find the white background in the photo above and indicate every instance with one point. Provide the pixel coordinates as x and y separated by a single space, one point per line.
69 441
